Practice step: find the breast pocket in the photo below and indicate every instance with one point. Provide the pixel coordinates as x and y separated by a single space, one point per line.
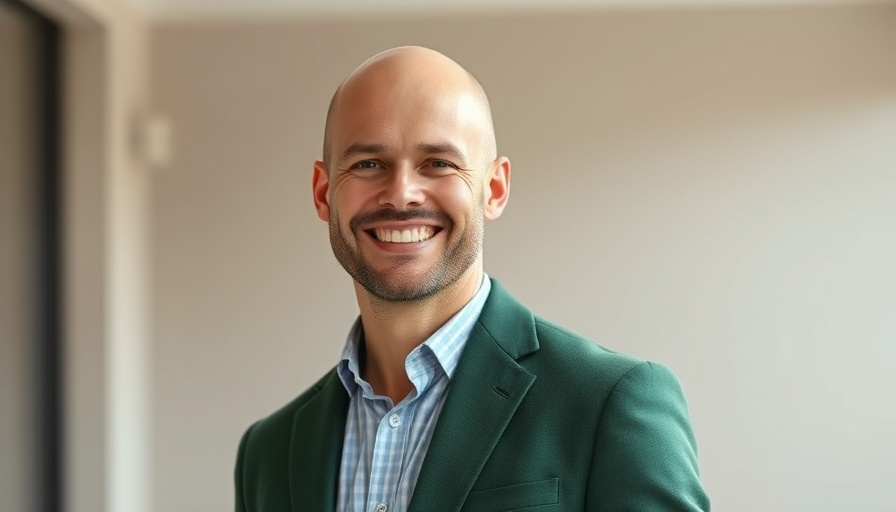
523 496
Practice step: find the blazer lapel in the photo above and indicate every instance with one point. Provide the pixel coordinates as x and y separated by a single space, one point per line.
487 387
316 448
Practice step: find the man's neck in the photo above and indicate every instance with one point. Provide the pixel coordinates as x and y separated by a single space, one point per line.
393 329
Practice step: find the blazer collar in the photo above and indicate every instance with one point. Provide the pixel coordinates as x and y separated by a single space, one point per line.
510 324
487 388
486 391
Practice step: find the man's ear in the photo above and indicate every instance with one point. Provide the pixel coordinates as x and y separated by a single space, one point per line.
497 188
320 190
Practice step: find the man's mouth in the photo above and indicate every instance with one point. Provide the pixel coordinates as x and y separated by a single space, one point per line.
404 236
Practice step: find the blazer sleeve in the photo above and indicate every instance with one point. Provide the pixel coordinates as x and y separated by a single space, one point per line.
645 455
238 480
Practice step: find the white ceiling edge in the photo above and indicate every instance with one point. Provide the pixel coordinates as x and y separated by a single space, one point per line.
245 10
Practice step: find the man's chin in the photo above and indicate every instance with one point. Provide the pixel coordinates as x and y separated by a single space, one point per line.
404 292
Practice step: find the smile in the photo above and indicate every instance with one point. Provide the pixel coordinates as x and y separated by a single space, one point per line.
404 236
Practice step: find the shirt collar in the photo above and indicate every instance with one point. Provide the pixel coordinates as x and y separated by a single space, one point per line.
446 344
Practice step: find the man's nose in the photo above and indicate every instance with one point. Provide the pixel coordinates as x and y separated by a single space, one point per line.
402 189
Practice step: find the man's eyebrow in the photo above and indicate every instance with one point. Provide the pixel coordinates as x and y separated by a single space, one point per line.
443 149
359 148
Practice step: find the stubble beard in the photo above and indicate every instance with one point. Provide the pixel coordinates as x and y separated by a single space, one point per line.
398 286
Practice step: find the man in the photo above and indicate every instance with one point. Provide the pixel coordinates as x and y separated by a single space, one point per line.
451 395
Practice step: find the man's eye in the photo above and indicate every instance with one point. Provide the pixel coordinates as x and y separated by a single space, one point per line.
442 164
366 164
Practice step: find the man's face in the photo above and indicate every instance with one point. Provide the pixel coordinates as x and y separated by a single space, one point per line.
406 190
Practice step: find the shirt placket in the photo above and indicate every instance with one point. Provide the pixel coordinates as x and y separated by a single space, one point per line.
388 457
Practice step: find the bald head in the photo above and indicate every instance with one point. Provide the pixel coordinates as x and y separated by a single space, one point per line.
414 77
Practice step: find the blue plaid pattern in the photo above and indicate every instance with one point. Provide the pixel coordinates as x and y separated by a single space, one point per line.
385 445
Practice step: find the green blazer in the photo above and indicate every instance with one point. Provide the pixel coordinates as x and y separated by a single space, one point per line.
536 418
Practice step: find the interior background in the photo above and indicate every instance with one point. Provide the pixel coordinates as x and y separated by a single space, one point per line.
712 189
697 183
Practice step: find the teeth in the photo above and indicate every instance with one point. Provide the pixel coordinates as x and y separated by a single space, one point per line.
406 236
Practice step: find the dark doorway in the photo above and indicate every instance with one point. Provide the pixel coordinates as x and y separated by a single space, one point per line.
30 255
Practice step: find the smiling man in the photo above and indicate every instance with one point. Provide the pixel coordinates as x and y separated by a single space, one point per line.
451 395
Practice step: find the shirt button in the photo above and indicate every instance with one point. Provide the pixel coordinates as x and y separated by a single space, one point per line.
381 507
395 421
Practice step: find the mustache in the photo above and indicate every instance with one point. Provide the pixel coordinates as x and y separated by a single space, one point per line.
390 214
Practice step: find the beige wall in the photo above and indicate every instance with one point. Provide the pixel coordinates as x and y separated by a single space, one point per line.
106 290
85 293
714 190
107 441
